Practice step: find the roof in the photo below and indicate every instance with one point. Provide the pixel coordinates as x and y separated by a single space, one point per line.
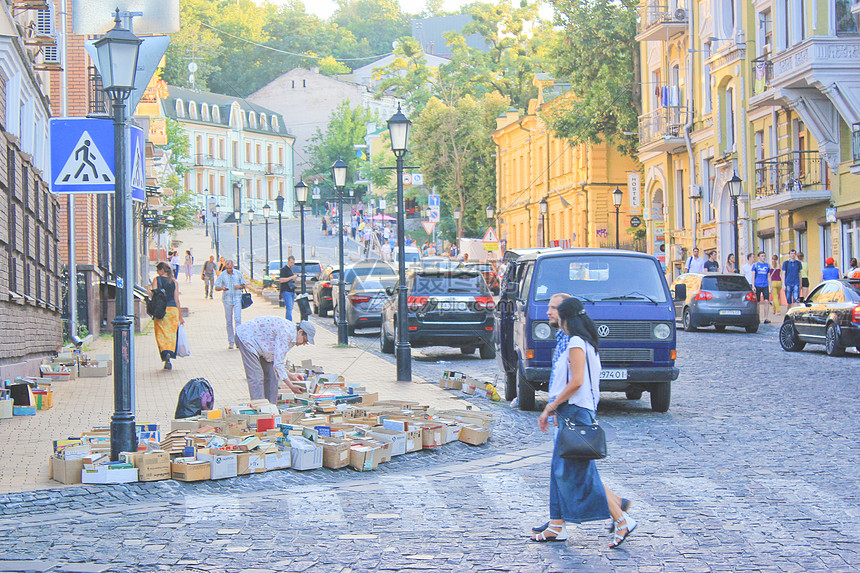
224 103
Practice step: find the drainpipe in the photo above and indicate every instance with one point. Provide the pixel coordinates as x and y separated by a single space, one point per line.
688 126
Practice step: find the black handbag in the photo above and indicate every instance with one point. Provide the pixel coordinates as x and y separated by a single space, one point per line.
580 441
246 299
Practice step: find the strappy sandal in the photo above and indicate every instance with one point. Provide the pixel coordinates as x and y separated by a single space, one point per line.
558 530
625 505
628 523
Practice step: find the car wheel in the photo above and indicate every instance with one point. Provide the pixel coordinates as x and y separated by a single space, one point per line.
633 394
323 311
510 386
467 349
788 338
487 351
661 395
752 329
385 346
688 321
525 393
831 341
316 309
719 328
350 330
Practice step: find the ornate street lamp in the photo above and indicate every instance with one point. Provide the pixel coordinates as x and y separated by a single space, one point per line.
736 187
338 174
237 214
301 198
617 197
398 130
267 211
279 205
217 212
117 54
251 239
491 212
544 219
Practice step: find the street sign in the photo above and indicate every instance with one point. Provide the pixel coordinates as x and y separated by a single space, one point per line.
635 221
82 155
417 179
407 179
137 163
433 201
490 236
633 190
428 226
316 192
433 216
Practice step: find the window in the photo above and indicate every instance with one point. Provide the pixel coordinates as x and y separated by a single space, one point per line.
826 242
846 22
192 110
850 241
800 242
263 123
707 189
204 112
216 114
600 278
680 223
274 123
220 148
706 87
252 120
730 120
180 109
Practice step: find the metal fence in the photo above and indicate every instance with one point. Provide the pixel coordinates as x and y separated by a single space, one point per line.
662 123
790 171
652 15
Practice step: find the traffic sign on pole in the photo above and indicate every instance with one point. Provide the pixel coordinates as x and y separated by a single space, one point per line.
82 155
137 161
433 201
433 216
428 226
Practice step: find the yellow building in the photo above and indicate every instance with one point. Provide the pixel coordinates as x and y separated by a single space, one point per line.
767 91
576 182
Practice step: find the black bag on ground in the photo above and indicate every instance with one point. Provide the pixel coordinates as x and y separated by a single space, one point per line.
156 304
197 395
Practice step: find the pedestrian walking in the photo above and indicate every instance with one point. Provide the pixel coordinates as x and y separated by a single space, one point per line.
576 492
695 263
186 266
174 263
264 343
167 328
231 283
747 269
712 265
775 275
804 275
731 266
287 282
208 276
791 278
324 226
761 272
830 272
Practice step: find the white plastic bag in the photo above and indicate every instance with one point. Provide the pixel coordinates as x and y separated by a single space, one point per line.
182 348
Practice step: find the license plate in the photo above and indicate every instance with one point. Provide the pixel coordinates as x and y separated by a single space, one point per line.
452 305
613 374
731 312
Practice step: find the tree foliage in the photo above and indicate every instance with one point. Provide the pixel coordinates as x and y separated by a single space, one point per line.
377 21
597 53
179 146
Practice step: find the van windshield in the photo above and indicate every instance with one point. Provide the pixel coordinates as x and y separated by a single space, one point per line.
596 277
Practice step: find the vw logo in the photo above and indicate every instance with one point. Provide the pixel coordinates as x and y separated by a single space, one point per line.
603 331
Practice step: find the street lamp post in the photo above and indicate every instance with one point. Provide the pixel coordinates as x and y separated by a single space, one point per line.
279 205
338 173
267 211
398 129
456 224
301 198
237 214
117 53
736 185
251 239
217 230
544 208
617 196
206 208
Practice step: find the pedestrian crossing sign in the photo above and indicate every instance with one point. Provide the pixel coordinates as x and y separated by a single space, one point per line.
82 155
136 164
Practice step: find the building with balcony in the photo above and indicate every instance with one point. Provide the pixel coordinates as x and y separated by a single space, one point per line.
233 142
576 181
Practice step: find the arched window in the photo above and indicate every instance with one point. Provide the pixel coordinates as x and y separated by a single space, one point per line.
252 120
275 123
216 114
180 108
263 123
204 112
192 110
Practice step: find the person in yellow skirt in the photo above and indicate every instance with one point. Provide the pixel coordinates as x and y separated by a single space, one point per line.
167 327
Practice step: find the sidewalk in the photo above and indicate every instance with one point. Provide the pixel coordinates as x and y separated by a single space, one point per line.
86 402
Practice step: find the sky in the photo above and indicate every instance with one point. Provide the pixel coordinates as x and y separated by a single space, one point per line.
325 8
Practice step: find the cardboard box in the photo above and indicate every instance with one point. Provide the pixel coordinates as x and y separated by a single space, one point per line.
66 471
450 430
152 465
190 469
335 452
6 408
190 424
384 448
107 359
93 369
414 440
397 439
250 463
474 435
306 455
223 464
278 460
44 399
431 434
103 475
363 457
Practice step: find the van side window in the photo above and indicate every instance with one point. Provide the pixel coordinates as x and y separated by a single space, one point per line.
526 282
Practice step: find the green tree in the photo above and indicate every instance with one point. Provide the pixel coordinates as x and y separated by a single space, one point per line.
193 43
181 203
329 66
598 54
378 21
179 146
408 76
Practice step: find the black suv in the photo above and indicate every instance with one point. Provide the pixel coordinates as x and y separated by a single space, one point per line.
447 307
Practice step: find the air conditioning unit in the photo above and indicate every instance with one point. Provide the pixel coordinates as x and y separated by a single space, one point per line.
681 15
695 191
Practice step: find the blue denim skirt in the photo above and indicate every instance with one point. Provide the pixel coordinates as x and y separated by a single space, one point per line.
576 493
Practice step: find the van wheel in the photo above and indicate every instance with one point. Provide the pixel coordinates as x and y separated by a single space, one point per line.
633 394
510 386
688 321
661 395
487 351
525 393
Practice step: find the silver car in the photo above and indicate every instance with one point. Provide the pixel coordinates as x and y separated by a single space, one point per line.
364 301
715 299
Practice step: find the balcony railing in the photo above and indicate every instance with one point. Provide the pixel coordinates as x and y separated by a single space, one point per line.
855 143
204 159
792 171
274 169
98 100
663 123
762 74
653 15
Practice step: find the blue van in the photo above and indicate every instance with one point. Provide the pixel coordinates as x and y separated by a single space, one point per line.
626 295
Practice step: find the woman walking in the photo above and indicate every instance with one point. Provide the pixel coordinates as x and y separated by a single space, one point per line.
775 283
167 327
186 266
576 493
730 263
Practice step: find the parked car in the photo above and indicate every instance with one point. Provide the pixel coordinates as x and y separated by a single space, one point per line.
489 273
321 292
360 270
412 256
626 295
830 315
447 307
715 299
439 263
311 271
365 299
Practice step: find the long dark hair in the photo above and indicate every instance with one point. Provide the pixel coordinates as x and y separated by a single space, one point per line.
162 266
576 322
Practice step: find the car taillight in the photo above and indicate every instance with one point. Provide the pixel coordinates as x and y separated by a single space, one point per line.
357 298
484 303
325 285
416 302
855 315
751 297
703 295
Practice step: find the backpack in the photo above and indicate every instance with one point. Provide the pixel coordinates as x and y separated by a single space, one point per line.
197 395
156 304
